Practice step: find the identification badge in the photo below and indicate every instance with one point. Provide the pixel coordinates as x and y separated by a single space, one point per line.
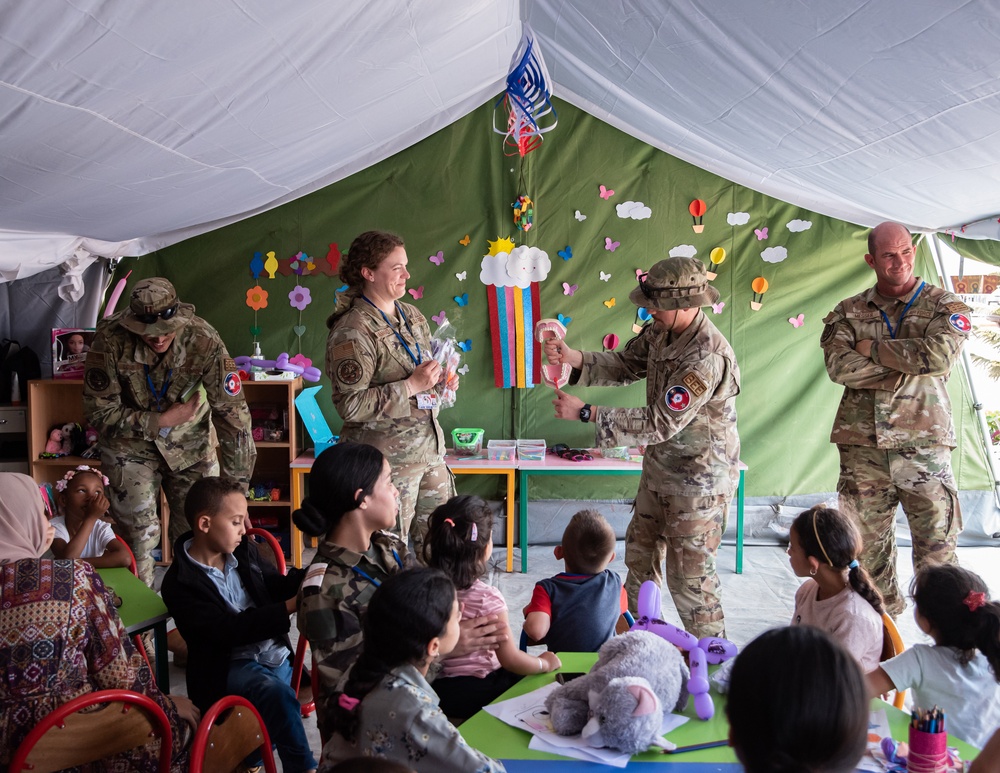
427 401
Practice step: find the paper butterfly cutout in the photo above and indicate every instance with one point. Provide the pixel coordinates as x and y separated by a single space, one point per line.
606 194
605 277
569 289
639 272
462 300
440 318
438 259
609 303
465 345
465 242
417 292
342 288
566 254
718 307
610 245
761 233
798 321
464 369
461 276
580 216
564 320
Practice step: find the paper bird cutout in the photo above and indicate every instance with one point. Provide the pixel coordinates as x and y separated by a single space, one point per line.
462 300
417 292
465 345
566 253
798 321
580 216
438 259
460 276
610 302
440 318
606 194
256 265
465 242
610 245
569 289
605 277
271 264
333 257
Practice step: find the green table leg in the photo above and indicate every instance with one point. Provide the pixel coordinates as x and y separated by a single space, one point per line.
739 524
522 519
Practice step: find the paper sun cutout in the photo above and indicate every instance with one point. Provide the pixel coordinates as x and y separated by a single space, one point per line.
257 298
565 253
718 307
465 345
438 259
610 303
440 318
738 218
606 193
605 277
774 254
564 321
461 275
798 321
580 216
611 245
416 292
299 298
465 242
569 289
462 300
501 245
634 210
795 226
761 233
697 209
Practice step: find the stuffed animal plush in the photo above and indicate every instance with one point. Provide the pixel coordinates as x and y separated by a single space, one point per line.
627 712
54 444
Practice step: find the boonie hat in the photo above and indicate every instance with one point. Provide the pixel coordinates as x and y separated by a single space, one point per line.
154 310
674 283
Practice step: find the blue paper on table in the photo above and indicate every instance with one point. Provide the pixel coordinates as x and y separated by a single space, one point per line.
314 420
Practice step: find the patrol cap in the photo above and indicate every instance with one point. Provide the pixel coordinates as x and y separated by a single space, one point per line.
674 283
154 310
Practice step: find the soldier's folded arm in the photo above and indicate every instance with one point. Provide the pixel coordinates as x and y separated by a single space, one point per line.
103 405
846 366
932 355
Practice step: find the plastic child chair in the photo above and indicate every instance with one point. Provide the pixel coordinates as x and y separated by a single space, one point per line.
67 739
229 731
137 639
892 645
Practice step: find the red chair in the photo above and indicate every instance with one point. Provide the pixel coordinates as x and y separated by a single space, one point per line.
262 537
66 738
132 565
137 639
229 731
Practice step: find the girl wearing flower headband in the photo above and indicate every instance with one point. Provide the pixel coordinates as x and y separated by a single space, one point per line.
387 708
959 674
460 542
838 597
80 530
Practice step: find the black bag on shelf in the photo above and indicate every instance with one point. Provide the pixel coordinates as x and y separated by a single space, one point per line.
20 360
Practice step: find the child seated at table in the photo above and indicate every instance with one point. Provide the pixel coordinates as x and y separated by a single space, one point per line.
80 530
387 709
233 607
576 611
459 541
797 702
838 597
959 673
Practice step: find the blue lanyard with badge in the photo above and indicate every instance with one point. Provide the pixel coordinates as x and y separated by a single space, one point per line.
906 308
363 574
425 401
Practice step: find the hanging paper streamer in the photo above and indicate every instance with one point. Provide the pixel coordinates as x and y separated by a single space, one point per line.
759 287
524 213
717 256
697 209
527 100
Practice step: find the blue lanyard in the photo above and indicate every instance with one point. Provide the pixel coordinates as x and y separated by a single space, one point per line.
906 308
158 394
420 357
362 573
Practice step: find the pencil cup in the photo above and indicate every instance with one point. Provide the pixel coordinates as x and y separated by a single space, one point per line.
928 752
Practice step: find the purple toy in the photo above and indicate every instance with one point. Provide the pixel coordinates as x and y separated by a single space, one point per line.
282 363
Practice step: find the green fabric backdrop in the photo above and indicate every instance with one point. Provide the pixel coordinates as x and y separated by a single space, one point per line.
458 182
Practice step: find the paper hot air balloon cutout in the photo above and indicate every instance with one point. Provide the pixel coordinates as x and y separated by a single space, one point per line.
759 287
697 209
717 256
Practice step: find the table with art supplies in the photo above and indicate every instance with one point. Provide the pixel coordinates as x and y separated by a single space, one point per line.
142 610
501 740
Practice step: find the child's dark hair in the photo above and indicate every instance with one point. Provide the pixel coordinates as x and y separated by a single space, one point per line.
797 702
206 496
587 543
457 533
830 536
956 603
405 613
336 475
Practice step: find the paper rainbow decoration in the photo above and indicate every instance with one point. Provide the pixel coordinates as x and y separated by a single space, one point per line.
517 356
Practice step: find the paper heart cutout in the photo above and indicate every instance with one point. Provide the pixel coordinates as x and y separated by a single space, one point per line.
566 253
580 216
564 320
460 276
416 292
465 242
440 318
761 233
718 307
606 194
299 330
255 331
462 300
605 277
610 245
569 289
465 345
438 259
798 321
464 369
610 302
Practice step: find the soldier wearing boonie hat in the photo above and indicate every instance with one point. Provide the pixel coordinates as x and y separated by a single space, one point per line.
690 466
157 379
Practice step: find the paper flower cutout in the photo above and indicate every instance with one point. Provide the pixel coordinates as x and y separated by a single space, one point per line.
606 193
299 298
301 360
257 298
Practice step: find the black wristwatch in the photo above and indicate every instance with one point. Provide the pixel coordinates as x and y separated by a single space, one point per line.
585 413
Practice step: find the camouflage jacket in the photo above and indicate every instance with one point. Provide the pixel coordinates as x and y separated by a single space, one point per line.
332 598
119 402
689 423
366 363
897 397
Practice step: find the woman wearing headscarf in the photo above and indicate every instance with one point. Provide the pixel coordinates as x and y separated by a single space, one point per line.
60 636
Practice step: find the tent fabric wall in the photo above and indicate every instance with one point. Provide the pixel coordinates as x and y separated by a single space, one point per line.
457 182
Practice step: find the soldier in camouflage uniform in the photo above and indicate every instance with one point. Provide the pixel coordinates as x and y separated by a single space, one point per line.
691 465
141 392
378 357
892 347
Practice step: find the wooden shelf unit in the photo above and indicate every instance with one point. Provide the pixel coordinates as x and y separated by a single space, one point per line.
53 402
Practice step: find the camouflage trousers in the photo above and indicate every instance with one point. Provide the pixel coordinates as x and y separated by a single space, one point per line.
422 488
686 532
135 488
873 482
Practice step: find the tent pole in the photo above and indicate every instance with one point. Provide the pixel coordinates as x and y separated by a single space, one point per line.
967 365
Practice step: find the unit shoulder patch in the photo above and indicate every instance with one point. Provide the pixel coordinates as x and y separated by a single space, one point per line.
693 382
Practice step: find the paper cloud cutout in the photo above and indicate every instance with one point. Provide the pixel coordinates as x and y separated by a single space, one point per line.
635 210
738 218
522 266
683 251
774 254
795 226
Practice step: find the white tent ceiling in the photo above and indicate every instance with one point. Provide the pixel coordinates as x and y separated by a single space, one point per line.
129 126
